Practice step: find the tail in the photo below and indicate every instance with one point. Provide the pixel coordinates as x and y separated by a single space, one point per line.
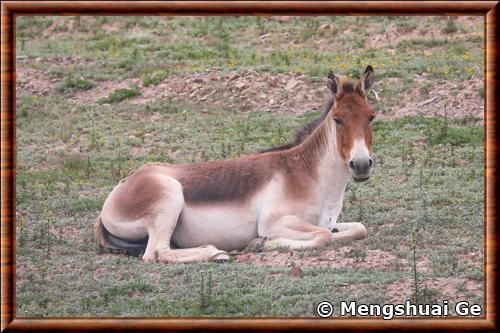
104 239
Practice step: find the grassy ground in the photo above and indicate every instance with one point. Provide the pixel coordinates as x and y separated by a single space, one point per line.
425 197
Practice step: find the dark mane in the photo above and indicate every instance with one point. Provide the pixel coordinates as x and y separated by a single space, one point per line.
304 132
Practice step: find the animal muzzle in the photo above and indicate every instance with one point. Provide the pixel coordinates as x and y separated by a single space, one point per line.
360 168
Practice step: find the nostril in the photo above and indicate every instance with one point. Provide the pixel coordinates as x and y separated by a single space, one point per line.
370 162
351 165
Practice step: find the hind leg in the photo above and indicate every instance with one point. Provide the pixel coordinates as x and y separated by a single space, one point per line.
162 224
203 253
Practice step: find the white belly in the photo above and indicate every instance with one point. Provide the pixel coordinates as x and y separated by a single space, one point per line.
227 227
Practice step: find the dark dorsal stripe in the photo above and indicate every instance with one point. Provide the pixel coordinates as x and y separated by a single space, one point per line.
227 180
304 132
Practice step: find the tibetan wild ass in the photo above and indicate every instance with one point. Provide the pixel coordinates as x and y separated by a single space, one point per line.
289 196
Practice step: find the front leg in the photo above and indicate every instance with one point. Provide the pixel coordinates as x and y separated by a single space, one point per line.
292 232
349 230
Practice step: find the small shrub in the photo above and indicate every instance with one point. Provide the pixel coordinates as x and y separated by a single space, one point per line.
356 253
120 95
451 26
23 111
82 205
153 78
72 84
75 163
481 92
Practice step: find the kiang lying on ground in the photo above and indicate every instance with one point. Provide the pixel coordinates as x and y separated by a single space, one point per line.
288 196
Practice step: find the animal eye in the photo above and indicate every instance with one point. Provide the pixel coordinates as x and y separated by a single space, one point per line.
338 121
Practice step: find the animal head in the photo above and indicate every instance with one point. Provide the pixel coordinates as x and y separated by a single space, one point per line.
352 117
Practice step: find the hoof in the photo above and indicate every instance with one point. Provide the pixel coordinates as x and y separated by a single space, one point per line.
256 245
220 258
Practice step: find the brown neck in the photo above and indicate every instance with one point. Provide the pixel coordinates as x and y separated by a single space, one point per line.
307 155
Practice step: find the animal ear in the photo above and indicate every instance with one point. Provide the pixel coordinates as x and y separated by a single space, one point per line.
333 84
366 81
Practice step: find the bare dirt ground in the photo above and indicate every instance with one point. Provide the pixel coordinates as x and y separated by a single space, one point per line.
401 290
291 93
326 258
342 257
394 34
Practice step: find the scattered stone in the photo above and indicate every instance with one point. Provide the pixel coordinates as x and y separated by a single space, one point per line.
233 76
442 93
240 85
291 84
290 92
427 101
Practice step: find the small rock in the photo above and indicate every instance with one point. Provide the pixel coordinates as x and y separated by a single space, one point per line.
325 26
442 93
427 101
240 84
273 83
291 84
233 76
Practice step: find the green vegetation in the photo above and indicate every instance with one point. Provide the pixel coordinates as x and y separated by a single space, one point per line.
312 46
119 95
425 198
434 189
71 84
